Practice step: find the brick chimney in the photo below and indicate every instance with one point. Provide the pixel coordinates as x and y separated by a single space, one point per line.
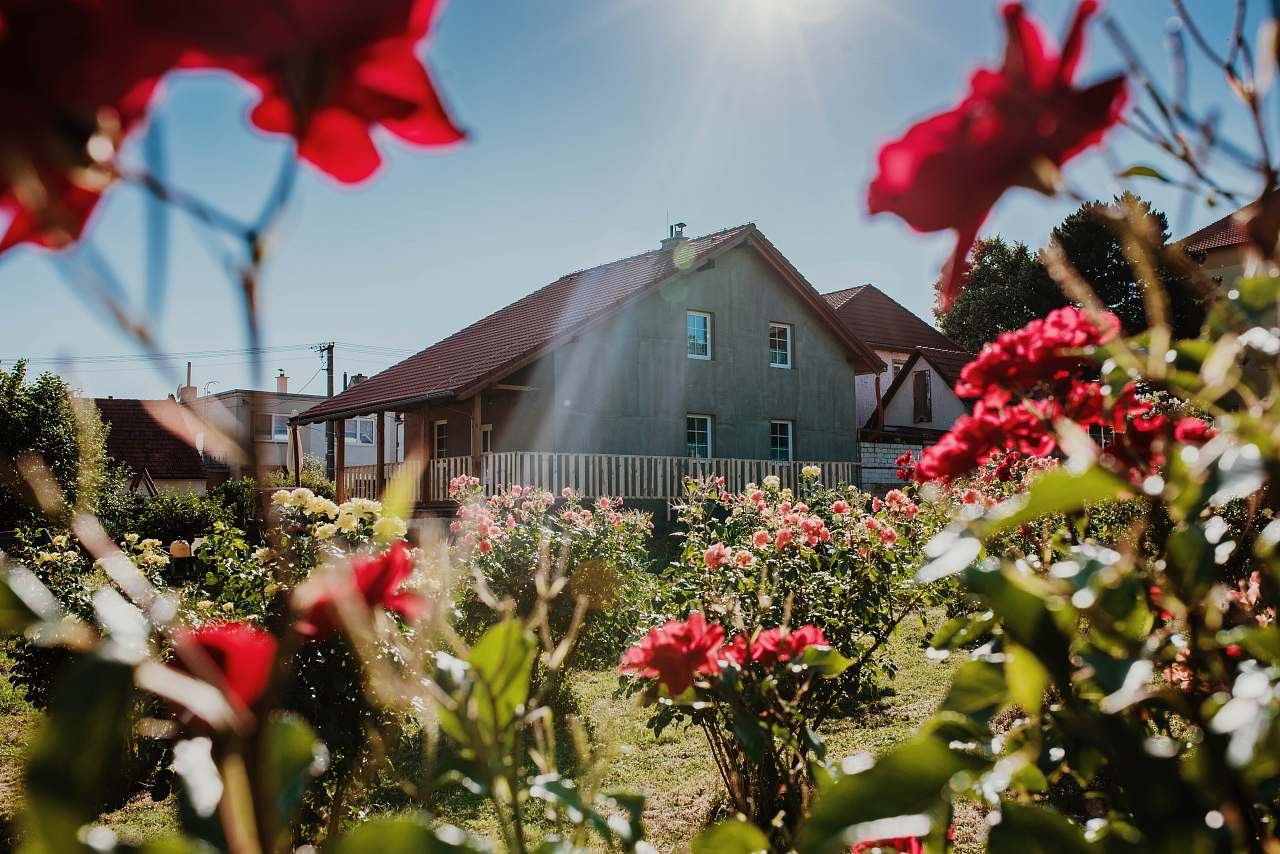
282 382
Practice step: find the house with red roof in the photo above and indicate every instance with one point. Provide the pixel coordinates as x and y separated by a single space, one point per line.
1219 247
706 355
143 434
920 403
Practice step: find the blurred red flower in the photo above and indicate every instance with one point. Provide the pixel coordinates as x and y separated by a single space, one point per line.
677 651
1193 431
948 171
774 645
328 71
376 581
242 653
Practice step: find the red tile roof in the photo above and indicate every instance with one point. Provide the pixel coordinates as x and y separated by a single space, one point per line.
139 441
512 336
884 323
1227 231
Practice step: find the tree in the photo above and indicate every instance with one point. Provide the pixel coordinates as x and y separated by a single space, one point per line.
1008 286
43 422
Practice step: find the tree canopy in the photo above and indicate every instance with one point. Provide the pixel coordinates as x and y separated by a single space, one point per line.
1008 285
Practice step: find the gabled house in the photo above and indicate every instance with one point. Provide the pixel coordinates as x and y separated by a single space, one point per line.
159 459
920 404
888 328
704 355
1219 247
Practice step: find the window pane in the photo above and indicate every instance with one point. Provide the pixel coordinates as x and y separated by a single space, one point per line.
349 429
262 425
780 345
922 404
486 440
441 448
698 327
280 427
698 436
780 441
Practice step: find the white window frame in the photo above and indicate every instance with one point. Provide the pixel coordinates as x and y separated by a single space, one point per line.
791 345
711 428
791 439
279 428
354 438
896 364
435 438
688 342
486 438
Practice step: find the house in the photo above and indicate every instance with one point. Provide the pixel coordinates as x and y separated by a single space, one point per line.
921 404
1219 247
160 458
888 328
703 355
263 418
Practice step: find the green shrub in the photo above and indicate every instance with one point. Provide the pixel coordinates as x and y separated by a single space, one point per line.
313 478
172 516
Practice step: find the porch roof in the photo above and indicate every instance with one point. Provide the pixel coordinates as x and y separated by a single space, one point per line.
514 336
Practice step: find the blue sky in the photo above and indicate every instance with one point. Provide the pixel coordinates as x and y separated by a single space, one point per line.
593 123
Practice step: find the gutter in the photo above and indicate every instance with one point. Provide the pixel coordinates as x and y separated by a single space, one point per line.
351 412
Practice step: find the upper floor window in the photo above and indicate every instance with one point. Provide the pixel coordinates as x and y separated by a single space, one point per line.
780 444
697 430
359 431
921 397
268 427
780 345
440 439
899 362
698 329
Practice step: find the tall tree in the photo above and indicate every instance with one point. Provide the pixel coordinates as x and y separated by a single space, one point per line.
1008 286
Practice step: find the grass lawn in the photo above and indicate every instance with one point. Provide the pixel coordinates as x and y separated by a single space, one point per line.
674 772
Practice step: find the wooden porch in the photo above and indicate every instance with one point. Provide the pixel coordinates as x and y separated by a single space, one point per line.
628 476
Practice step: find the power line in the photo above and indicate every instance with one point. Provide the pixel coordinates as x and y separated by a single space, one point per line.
145 358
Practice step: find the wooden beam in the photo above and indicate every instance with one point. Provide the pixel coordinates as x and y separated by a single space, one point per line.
340 458
514 387
380 467
476 421
295 442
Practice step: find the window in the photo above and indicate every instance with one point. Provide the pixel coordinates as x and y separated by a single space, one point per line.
779 345
780 441
921 404
440 439
268 427
486 438
697 430
698 327
899 362
359 431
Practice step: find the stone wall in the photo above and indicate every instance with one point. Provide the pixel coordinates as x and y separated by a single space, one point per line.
879 470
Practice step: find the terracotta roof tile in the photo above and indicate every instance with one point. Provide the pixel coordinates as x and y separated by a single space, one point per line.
139 441
948 363
501 341
882 322
1216 235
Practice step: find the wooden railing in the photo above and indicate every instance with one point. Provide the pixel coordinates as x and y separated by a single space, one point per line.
362 481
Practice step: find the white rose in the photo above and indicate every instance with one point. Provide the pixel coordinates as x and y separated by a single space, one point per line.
348 521
772 482
389 528
282 498
301 496
324 532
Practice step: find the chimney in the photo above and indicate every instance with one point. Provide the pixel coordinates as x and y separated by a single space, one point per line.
358 378
282 382
187 393
675 237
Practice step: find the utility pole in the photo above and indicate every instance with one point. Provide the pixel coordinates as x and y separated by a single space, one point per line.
326 351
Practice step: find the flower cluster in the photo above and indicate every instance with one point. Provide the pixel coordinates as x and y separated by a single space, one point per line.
1016 123
676 652
145 552
305 515
326 73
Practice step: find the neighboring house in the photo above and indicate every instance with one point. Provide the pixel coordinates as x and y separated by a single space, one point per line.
159 457
920 404
610 379
889 329
263 416
1219 247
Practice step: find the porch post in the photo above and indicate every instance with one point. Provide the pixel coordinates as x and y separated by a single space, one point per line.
380 467
475 434
340 458
295 443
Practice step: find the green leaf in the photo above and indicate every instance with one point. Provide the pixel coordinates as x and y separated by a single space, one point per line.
1034 830
962 630
292 756
908 780
977 689
1023 605
24 600
1026 677
495 685
77 755
824 660
1143 171
1057 491
409 834
730 837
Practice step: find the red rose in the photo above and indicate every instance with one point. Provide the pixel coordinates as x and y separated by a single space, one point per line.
243 655
376 581
948 171
676 652
1193 431
776 645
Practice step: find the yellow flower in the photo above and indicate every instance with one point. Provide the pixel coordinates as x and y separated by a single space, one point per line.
772 482
228 607
810 472
45 557
60 541
318 505
204 604
270 589
262 555
389 528
149 543
300 496
348 521
282 498
325 531
130 538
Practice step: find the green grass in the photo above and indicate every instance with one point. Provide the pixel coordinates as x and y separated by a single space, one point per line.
674 772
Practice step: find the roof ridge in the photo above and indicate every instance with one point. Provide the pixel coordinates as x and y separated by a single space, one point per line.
709 236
